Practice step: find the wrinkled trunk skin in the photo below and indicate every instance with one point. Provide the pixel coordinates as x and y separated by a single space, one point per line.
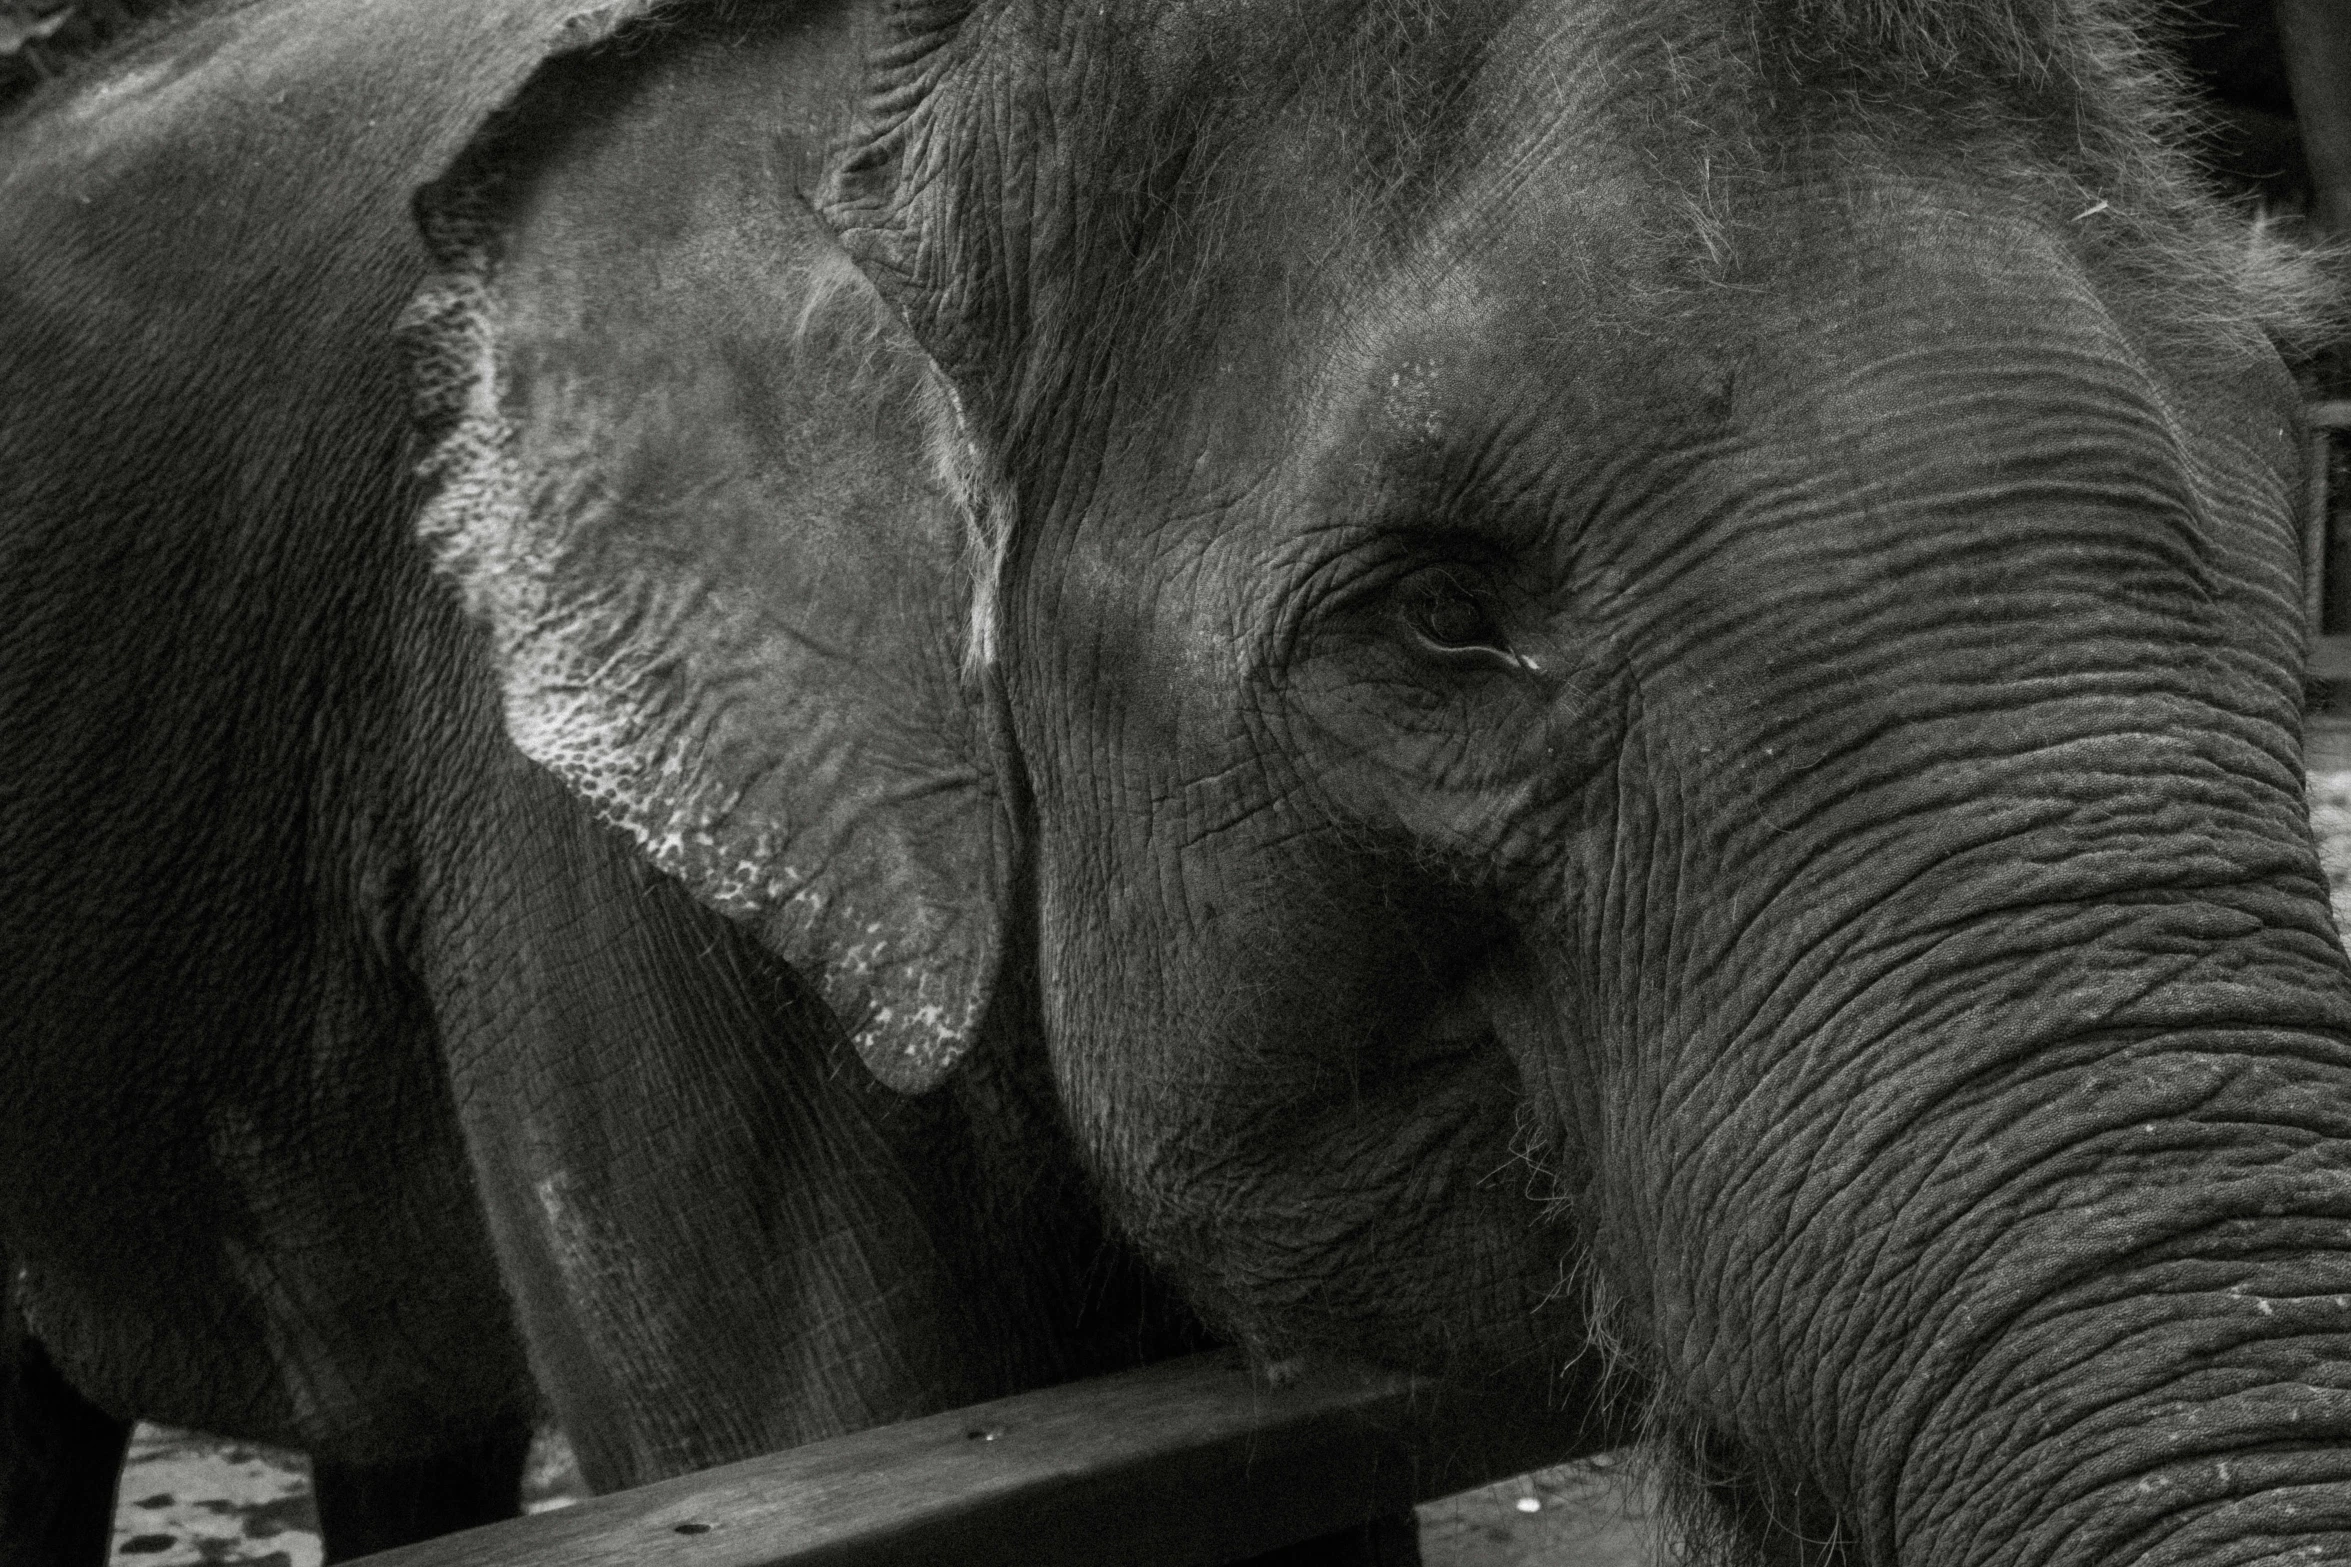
1988 1205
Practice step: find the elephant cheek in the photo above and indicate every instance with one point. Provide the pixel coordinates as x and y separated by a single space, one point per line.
1312 1181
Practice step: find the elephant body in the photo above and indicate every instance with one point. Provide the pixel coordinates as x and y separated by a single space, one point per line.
291 927
1598 697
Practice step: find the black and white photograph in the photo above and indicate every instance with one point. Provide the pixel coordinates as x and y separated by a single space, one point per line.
1175 783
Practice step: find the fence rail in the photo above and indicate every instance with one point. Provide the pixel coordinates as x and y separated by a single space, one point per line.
1184 1464
2326 547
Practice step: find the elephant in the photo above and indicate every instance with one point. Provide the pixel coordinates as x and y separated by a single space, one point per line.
1597 697
366 1095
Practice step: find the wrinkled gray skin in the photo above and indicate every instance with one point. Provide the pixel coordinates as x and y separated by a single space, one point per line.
1611 688
352 1073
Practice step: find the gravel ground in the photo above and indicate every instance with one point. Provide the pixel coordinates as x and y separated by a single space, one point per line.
188 1498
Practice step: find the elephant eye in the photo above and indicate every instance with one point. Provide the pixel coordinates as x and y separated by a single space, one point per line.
1451 616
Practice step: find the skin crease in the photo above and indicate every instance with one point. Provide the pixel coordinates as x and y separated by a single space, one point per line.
1638 743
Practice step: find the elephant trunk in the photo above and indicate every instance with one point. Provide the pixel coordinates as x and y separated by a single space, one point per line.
2072 1291
2118 1325
2019 1204
1987 1118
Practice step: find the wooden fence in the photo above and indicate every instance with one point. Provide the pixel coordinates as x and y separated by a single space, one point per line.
2326 547
1183 1464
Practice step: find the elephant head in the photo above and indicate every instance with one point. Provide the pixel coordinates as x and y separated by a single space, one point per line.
1631 668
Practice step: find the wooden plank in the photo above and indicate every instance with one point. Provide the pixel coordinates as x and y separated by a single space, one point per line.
2330 658
2326 572
1184 1464
2314 531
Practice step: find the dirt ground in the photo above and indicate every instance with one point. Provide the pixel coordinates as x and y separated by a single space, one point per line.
190 1499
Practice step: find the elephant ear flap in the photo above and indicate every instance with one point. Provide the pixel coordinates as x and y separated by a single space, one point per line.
712 502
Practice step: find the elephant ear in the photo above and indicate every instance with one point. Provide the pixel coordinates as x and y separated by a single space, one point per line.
712 502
